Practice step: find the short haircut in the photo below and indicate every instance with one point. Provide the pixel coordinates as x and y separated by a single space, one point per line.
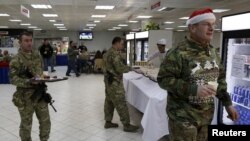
116 40
26 33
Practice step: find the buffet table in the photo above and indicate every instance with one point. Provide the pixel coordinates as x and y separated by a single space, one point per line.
143 92
145 95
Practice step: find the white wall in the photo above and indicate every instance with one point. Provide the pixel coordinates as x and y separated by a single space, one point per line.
102 39
180 36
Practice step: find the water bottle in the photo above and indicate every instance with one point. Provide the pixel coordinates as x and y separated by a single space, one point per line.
235 89
239 90
243 90
246 102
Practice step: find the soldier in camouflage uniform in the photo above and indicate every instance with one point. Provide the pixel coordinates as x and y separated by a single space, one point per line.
185 73
28 61
115 94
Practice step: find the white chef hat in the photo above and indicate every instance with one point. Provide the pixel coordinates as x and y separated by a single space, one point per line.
162 42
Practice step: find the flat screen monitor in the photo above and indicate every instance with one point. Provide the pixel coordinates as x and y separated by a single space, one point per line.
85 35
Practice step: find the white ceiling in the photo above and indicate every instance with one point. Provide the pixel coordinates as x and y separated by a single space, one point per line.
75 14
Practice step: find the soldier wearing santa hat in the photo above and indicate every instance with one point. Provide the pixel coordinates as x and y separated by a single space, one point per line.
190 73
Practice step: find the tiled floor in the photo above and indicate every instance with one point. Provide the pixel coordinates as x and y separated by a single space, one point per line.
79 117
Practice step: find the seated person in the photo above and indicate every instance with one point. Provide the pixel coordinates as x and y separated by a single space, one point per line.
6 56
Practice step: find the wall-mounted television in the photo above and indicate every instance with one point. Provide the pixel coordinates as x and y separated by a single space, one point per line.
85 35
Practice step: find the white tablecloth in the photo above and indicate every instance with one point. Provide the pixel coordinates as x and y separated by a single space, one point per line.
150 99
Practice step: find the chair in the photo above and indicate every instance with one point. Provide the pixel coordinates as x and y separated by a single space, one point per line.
98 67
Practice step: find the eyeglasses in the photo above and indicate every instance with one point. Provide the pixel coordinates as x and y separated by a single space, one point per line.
206 24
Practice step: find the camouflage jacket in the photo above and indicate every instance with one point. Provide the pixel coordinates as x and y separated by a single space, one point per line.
183 69
23 63
72 53
114 65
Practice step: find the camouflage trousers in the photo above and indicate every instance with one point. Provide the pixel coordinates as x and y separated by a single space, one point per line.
185 131
27 108
115 99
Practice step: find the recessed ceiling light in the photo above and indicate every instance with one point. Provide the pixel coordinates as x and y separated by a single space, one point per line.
90 24
15 20
38 29
122 25
169 28
4 27
180 30
105 7
220 10
111 29
50 15
168 22
63 29
58 24
52 21
182 26
41 6
25 24
4 15
184 18
117 28
87 29
133 21
135 29
96 21
98 16
60 27
143 17
32 27
161 8
91 27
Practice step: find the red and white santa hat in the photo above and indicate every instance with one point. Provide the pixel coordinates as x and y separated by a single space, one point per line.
200 15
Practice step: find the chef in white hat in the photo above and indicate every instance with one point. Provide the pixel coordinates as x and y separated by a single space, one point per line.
157 57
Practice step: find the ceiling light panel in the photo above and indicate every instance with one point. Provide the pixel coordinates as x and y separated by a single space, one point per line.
32 27
104 7
4 15
58 24
41 6
143 17
184 18
98 16
96 21
4 27
90 24
123 25
133 21
117 28
168 22
25 24
15 20
52 21
60 27
50 15
220 10
86 29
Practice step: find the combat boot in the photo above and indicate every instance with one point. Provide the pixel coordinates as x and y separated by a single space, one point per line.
109 124
130 128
